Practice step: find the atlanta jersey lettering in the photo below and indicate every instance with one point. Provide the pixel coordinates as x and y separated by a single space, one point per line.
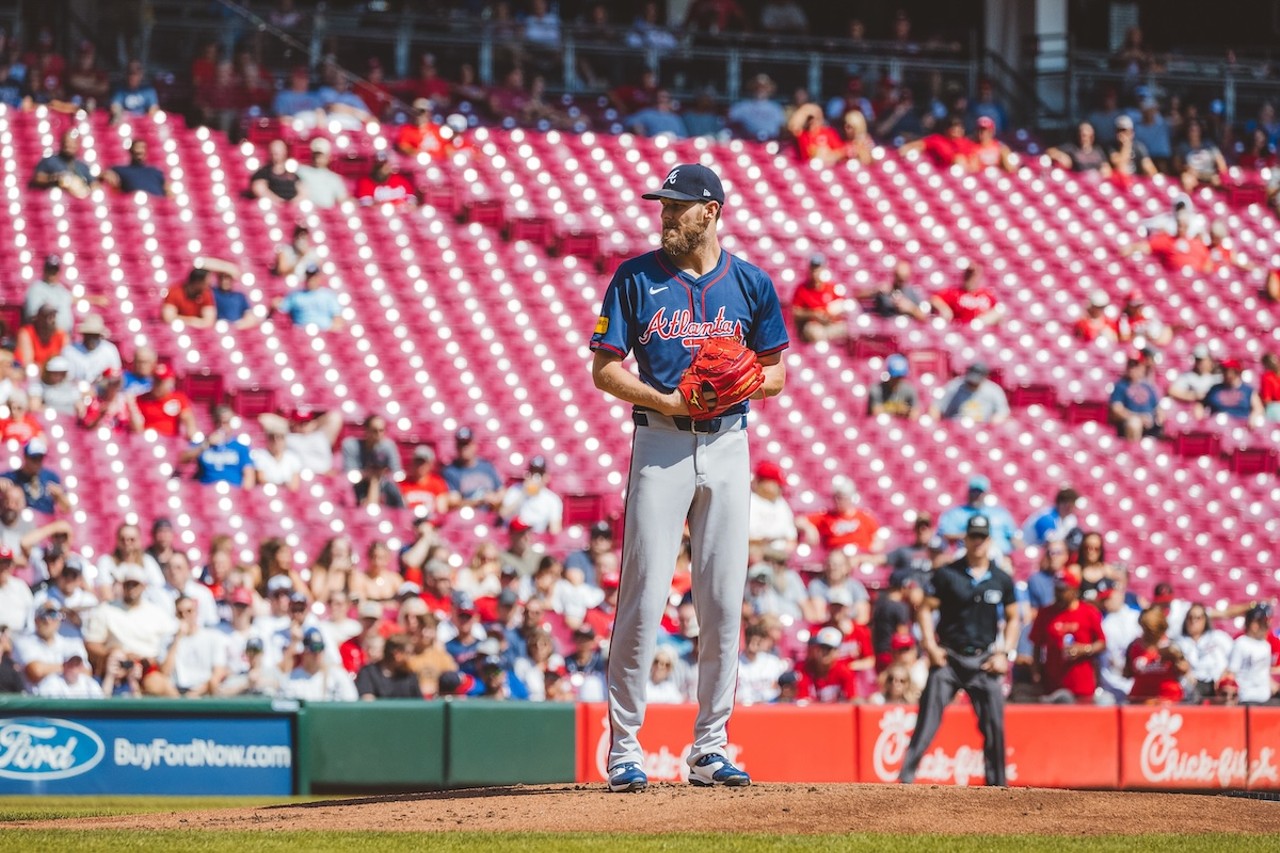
660 313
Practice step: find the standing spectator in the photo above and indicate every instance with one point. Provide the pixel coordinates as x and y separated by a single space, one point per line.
1067 637
1105 118
1198 161
384 184
278 179
973 396
918 558
1154 663
1207 651
1135 402
41 339
784 17
65 169
1129 158
322 186
191 304
196 659
50 290
219 100
1055 522
987 106
1002 533
41 487
660 119
358 453
893 612
771 524
1083 155
899 297
969 598
166 409
315 305
759 116
758 667
1041 584
844 524
222 456
392 677
137 176
93 355
895 395
473 481
824 676
715 17
1251 657
314 679
532 501
970 302
1233 396
819 307
136 97
1095 324
1121 627
1192 385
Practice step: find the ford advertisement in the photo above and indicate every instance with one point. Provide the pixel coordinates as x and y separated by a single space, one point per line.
185 756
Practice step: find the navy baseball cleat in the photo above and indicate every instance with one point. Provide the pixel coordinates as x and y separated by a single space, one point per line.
627 777
715 769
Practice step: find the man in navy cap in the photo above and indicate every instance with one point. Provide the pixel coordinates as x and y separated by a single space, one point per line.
661 306
41 487
472 481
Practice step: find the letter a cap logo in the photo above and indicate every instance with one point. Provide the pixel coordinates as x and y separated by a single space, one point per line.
689 182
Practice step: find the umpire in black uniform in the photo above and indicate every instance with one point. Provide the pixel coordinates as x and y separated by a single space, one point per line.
969 596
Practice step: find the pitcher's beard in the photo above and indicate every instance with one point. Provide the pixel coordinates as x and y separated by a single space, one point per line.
683 239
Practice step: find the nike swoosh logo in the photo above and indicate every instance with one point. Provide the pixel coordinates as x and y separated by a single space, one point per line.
656 290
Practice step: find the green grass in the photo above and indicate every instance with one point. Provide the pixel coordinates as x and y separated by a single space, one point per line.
177 841
14 809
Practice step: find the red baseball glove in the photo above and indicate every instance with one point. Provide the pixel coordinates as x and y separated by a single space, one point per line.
722 374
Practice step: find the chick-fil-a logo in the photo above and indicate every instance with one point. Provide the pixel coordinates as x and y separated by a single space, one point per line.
965 766
1162 761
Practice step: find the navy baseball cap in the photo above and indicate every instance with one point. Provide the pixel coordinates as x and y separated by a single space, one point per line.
690 182
979 525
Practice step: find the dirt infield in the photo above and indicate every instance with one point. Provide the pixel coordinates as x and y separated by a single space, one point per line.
760 808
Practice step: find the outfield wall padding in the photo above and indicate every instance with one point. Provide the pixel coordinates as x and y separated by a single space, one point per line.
504 743
383 745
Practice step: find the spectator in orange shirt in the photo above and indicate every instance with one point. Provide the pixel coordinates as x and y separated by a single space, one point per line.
192 303
818 306
969 303
424 490
1095 323
41 339
946 149
845 524
20 425
166 409
423 136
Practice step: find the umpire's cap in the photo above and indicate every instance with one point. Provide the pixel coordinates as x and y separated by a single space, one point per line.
979 525
690 182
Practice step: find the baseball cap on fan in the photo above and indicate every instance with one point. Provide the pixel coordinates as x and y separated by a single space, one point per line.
689 182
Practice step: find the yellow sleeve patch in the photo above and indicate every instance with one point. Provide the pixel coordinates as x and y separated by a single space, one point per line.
602 325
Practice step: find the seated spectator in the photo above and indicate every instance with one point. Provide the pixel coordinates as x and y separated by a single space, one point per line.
277 464
12 375
297 255
166 409
1138 321
472 481
1269 387
1259 153
221 456
196 657
660 119
703 119
315 305
824 676
111 407
136 97
43 653
664 686
392 677
844 524
93 354
1135 402
899 297
1198 161
715 17
10 87
322 186
358 452
135 626
758 667
599 549
343 106
946 149
1083 155
1054 522
819 307
987 105
1129 158
815 139
41 487
895 395
423 136
759 116
1095 324
899 119
989 152
857 144
385 184
1005 535
424 490
278 180
533 502
41 339
20 424
1233 396
191 304
137 176
1167 222
851 99
55 389
1222 252
314 678
1192 385
772 524
784 17
312 437
630 98
916 559
1155 664
377 484
50 290
970 302
231 305
298 102
973 396
1152 132
429 85
140 378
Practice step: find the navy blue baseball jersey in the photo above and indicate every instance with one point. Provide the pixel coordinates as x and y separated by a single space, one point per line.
660 313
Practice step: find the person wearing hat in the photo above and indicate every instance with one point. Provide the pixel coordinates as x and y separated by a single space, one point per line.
1003 532
191 304
988 151
844 524
66 588
758 116
358 452
473 481
919 557
1234 397
49 290
423 136
973 396
314 305
599 543
384 184
322 186
41 487
424 489
1253 656
824 676
1155 664
73 680
971 302
276 463
93 354
1067 636
683 469
819 305
1129 157
42 653
602 616
947 148
772 524
532 502
1180 251
1192 385
277 180
135 625
895 395
137 176
969 597
164 408
40 339
57 390
315 678
814 138
1135 401
1096 323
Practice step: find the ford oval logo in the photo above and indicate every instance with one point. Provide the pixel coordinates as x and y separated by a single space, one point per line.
42 748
